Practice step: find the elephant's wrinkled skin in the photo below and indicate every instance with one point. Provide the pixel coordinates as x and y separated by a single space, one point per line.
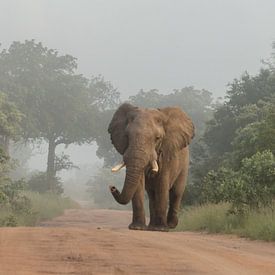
154 145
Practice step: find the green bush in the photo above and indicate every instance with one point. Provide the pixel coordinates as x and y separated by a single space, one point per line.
251 187
39 183
12 202
258 173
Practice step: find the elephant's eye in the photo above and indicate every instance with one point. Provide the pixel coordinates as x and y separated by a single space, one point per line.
157 138
158 120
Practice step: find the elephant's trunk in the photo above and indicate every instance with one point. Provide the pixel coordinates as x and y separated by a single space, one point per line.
136 160
134 176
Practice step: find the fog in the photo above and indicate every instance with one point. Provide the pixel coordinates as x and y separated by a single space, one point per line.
149 44
146 44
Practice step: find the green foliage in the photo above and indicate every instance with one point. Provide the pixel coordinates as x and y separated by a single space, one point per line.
56 102
252 186
28 72
217 183
3 159
10 118
241 127
12 202
244 98
216 218
39 183
258 172
59 106
258 133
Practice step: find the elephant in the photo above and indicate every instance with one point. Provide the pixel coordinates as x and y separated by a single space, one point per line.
154 145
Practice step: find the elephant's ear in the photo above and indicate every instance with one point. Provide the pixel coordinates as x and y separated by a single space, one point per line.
117 127
179 130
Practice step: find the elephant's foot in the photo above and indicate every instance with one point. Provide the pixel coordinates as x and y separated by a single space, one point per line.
162 228
172 221
137 226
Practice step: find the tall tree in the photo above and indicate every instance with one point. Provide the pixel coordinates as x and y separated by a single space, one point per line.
59 106
246 91
242 126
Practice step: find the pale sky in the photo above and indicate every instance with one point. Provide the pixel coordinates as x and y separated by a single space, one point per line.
148 43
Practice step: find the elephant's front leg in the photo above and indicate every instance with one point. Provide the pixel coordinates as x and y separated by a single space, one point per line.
138 222
175 196
161 204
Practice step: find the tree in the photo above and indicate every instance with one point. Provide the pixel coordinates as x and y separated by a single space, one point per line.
248 90
103 94
252 185
10 119
59 106
241 127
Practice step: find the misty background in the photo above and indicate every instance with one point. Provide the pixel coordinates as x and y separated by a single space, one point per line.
145 45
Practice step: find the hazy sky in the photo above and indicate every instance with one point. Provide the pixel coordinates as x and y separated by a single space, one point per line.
147 43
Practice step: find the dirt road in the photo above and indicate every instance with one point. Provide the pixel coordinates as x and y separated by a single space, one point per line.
97 242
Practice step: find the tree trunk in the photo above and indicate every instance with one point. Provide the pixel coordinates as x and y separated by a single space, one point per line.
51 164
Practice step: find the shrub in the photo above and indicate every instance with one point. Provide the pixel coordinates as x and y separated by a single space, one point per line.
252 186
258 172
12 202
39 183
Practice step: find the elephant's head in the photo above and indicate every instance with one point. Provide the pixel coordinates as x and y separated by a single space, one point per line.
141 136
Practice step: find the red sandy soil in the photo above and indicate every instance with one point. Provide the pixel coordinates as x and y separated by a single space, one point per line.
86 241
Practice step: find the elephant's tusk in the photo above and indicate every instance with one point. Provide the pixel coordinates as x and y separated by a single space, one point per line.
155 167
118 167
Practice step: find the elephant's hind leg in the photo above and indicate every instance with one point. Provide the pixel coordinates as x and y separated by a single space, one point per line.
175 196
151 196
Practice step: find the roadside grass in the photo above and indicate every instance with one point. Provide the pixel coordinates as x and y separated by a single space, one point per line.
259 226
42 207
216 218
